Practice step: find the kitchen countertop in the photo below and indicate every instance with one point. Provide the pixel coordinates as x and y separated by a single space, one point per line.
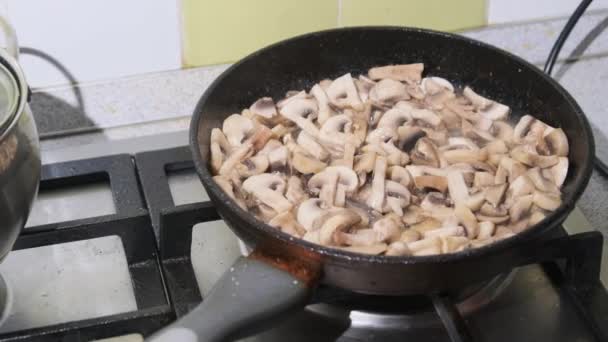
147 110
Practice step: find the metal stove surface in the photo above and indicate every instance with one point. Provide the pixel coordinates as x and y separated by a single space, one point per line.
65 280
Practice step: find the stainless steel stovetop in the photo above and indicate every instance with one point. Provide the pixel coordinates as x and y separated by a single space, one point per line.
55 283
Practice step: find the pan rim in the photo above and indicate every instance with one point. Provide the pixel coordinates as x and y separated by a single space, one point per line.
552 220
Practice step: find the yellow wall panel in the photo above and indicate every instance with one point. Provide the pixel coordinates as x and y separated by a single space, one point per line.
225 30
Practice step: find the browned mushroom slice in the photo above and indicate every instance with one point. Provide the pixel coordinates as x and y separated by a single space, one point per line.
428 224
287 223
431 182
400 175
453 244
547 201
502 131
536 217
412 215
475 201
295 191
495 194
268 189
388 229
342 93
411 73
425 153
493 219
388 91
520 208
264 107
496 147
409 136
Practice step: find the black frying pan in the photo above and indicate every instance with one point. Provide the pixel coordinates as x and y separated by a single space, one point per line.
278 275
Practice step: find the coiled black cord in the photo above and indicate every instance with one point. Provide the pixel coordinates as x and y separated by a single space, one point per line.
550 63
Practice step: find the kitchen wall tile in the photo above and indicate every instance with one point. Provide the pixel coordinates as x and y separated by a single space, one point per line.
436 14
95 39
224 31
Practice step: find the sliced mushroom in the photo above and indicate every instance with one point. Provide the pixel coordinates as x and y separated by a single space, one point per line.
398 248
541 182
268 188
434 85
220 149
397 197
387 229
502 131
527 155
342 93
453 244
536 217
520 207
483 179
360 237
394 118
310 213
302 111
557 143
364 86
435 205
225 184
287 223
327 183
425 246
560 171
388 91
444 231
522 128
411 73
410 235
295 191
371 250
322 102
467 219
400 175
495 194
457 187
306 164
311 146
486 230
431 182
409 136
252 166
264 107
235 157
465 156
427 116
546 200
338 222
425 153
376 200
337 131
237 128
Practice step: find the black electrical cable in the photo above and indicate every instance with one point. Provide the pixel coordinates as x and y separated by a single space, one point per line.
598 163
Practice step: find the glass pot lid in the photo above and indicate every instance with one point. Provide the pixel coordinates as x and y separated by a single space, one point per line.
9 97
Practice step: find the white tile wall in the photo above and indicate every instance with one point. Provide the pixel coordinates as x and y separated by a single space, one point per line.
96 39
503 11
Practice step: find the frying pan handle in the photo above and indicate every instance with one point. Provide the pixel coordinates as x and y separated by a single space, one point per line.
249 297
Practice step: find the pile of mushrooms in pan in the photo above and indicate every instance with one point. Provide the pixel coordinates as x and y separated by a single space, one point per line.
390 163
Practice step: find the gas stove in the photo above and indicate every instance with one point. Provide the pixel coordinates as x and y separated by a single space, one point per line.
119 246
